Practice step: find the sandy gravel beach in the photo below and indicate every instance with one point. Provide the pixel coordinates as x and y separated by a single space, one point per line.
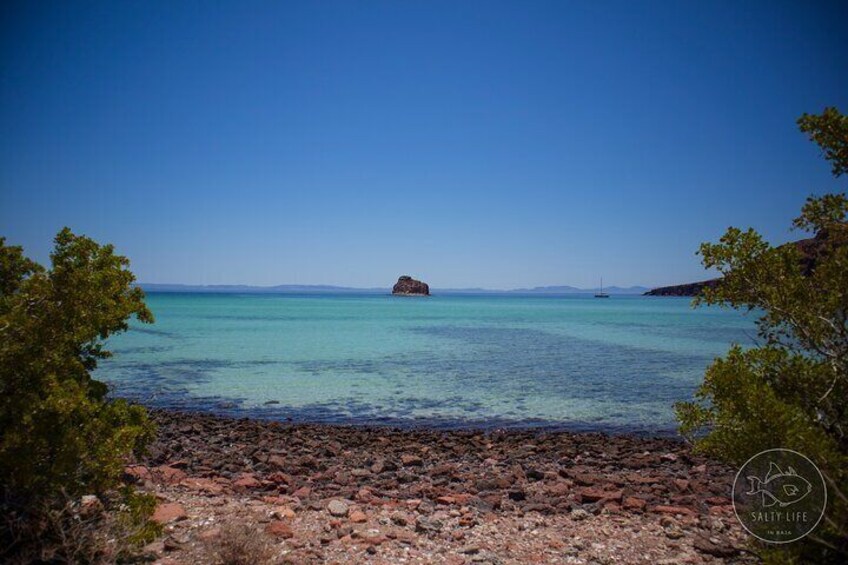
333 494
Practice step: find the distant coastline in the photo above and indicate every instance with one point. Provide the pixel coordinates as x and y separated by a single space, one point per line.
318 289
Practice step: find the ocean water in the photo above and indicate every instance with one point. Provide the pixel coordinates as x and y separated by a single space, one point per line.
569 362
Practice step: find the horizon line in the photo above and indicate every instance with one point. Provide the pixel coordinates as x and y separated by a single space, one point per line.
289 286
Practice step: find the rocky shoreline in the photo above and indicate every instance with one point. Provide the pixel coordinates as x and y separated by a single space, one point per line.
381 495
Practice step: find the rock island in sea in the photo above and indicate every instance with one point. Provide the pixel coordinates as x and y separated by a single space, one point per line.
407 286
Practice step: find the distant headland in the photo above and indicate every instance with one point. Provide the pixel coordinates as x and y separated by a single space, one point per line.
808 251
689 289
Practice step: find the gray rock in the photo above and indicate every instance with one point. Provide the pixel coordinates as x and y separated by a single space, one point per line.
337 508
579 514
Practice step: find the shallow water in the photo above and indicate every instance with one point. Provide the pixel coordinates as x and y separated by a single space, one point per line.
572 362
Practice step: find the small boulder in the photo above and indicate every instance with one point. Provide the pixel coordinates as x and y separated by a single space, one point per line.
279 529
410 460
169 512
633 503
358 517
337 508
246 481
302 492
589 494
578 514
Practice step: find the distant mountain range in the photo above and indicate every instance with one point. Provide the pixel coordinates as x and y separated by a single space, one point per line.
575 290
297 288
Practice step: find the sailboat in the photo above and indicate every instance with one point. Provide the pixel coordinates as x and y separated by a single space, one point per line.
601 294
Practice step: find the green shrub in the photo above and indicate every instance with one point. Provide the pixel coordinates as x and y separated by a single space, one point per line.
792 390
60 437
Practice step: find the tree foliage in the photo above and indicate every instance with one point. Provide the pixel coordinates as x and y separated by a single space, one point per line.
59 435
791 390
830 132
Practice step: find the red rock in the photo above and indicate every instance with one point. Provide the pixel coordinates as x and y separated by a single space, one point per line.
594 494
444 469
583 479
169 512
406 537
168 474
246 481
411 460
283 512
493 500
446 500
559 488
280 478
681 484
203 485
358 517
633 503
673 510
611 506
374 538
277 461
138 472
279 529
302 492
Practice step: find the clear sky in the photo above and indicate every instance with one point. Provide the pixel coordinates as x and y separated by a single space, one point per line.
497 144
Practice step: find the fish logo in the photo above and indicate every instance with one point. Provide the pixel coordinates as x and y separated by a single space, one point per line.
779 496
780 487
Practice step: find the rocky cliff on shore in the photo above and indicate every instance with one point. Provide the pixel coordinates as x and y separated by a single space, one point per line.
690 289
808 249
408 286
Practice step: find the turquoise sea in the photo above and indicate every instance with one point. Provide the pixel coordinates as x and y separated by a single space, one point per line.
572 362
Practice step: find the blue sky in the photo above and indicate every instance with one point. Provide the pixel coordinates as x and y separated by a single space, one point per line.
497 144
